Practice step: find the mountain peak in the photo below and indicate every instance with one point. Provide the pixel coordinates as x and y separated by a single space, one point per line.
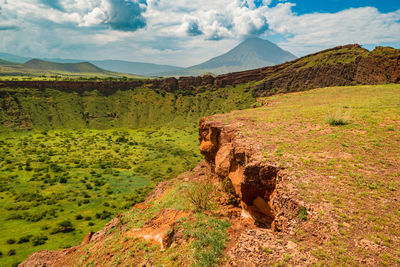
252 53
254 40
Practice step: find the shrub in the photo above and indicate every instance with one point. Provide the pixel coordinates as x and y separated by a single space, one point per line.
45 227
24 239
11 241
11 252
103 215
200 195
338 118
39 240
78 217
63 227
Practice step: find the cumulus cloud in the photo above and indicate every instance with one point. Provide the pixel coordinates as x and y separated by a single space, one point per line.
123 15
311 32
179 31
225 19
53 4
190 26
126 15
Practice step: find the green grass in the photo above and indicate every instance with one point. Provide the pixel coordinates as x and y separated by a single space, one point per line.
348 173
142 107
81 163
62 184
201 237
338 118
208 238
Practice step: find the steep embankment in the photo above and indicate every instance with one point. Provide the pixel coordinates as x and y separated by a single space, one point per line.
309 178
53 109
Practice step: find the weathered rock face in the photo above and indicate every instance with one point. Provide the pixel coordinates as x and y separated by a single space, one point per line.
104 87
338 66
241 169
381 66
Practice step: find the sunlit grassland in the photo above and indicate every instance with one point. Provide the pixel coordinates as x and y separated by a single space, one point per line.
353 168
85 176
84 158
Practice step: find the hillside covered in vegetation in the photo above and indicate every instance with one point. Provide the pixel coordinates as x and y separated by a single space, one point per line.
76 154
309 178
70 162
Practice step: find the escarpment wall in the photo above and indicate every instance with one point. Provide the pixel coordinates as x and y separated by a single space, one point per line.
339 66
240 165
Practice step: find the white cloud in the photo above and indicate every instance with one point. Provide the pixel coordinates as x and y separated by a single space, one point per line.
179 31
310 32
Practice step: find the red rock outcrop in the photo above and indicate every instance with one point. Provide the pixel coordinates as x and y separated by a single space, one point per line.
241 167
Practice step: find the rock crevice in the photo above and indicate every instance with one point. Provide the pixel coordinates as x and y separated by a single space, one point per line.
243 168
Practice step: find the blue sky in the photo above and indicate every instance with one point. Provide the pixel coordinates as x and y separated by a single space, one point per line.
332 6
184 33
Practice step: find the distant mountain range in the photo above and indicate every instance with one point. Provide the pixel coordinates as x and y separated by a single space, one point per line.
250 54
82 67
7 63
139 68
42 68
14 58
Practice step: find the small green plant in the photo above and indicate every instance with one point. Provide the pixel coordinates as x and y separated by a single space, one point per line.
39 240
209 239
303 213
24 239
286 258
11 252
267 250
11 241
200 195
338 118
63 227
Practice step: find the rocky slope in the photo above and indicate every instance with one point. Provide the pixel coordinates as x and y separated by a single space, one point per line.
249 196
294 189
339 66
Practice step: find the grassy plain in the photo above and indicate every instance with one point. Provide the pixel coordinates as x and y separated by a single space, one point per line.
85 177
346 170
70 162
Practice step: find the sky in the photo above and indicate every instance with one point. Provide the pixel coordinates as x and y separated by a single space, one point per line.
185 33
